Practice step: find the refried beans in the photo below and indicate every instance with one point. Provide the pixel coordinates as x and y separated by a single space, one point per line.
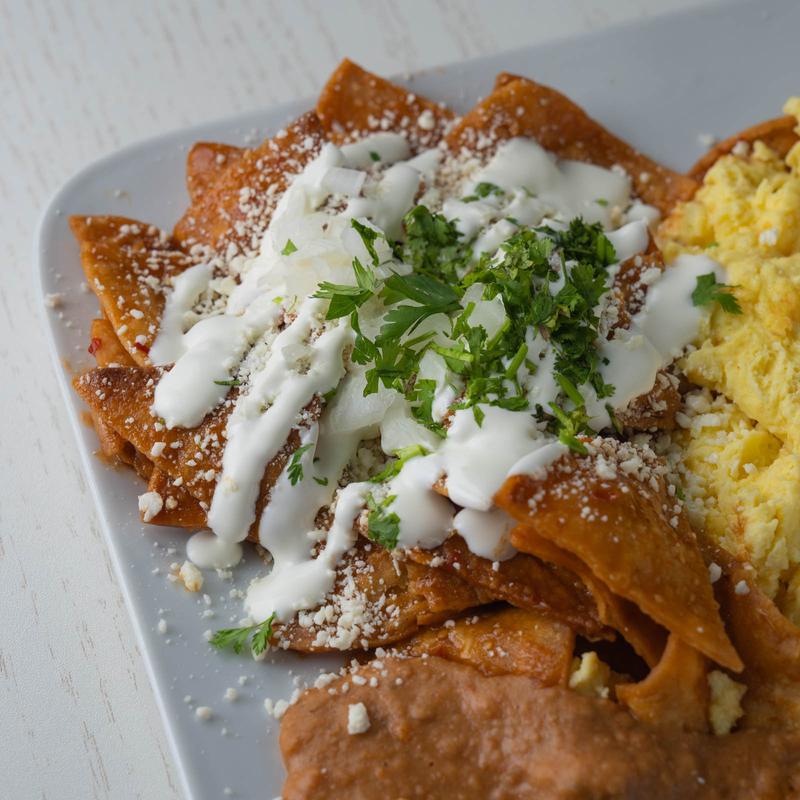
438 729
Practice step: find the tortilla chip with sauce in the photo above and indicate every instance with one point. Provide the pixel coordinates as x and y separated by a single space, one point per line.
631 535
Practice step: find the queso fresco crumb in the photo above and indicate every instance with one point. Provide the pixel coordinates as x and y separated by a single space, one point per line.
357 719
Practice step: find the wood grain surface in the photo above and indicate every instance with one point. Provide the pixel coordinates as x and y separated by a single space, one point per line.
79 80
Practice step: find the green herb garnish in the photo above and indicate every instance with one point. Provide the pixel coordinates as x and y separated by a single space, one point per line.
433 246
229 382
295 469
289 248
374 156
402 455
382 527
709 291
345 299
483 190
368 236
236 638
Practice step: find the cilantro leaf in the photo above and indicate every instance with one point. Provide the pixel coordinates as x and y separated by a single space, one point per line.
569 424
229 382
483 190
433 245
289 248
422 396
709 291
374 155
295 469
382 527
402 455
344 298
432 297
236 638
368 236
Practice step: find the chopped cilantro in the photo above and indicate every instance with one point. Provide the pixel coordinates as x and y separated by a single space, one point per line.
483 190
421 397
320 481
492 370
289 248
229 382
431 297
601 201
236 638
709 291
368 236
402 455
433 246
615 423
569 424
382 527
295 468
374 156
345 298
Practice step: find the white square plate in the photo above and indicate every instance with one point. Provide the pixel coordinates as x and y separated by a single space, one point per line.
658 84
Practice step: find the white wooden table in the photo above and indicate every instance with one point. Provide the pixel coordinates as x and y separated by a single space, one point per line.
79 80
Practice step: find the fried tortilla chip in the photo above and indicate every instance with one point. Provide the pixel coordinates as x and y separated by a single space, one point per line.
236 208
770 648
378 600
180 509
675 693
107 351
511 641
122 397
520 107
523 581
126 265
629 532
205 163
655 410
778 134
106 347
646 638
355 103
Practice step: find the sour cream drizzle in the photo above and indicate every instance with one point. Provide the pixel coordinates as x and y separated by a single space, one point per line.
297 356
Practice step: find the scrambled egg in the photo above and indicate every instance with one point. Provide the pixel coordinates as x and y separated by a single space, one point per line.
590 676
725 702
742 448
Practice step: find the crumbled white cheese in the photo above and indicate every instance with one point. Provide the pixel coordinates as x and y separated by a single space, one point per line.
53 299
706 139
426 120
204 713
357 719
231 694
714 572
150 503
742 588
191 577
768 238
740 149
